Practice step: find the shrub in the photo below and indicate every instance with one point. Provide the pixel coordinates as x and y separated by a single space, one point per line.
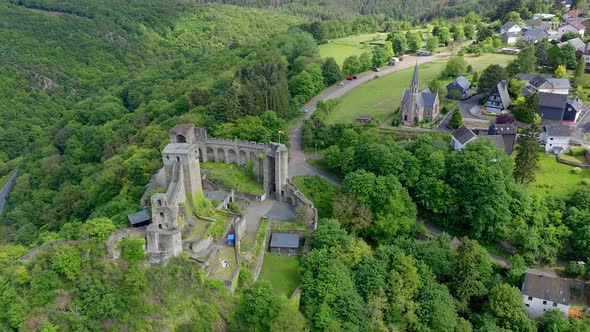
573 269
577 152
577 170
216 229
132 250
586 181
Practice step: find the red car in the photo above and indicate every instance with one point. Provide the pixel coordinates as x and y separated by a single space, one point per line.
350 78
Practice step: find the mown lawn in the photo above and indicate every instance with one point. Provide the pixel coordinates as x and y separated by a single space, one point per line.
381 97
341 48
218 271
319 191
282 272
233 176
556 179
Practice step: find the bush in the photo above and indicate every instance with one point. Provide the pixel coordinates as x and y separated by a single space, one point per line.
132 250
573 269
586 181
577 152
577 170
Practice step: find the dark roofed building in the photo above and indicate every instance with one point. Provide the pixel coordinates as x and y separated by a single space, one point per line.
572 110
542 292
139 219
535 35
461 136
499 99
284 243
503 136
459 88
551 106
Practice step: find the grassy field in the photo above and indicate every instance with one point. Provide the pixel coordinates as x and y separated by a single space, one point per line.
233 176
282 272
381 97
340 49
319 191
219 272
556 179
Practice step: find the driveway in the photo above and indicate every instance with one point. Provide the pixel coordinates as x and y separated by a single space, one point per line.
298 164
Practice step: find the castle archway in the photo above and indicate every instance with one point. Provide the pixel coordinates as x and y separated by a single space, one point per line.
180 139
200 152
232 157
210 155
220 155
243 157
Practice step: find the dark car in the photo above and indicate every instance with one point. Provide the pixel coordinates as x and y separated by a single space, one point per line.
354 77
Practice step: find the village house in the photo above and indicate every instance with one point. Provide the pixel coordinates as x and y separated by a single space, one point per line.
542 292
556 138
575 27
499 99
511 37
542 16
458 88
576 43
461 137
503 136
538 23
572 14
535 35
540 83
417 106
510 27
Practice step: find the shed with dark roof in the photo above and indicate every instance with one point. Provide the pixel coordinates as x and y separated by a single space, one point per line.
284 243
139 219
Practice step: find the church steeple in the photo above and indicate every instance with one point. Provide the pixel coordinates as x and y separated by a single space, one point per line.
415 84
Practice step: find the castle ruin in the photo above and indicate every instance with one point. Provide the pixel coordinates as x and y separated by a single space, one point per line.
181 177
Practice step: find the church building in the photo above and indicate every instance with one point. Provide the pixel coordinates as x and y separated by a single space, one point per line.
418 105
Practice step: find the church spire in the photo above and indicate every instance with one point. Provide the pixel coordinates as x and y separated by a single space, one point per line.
414 85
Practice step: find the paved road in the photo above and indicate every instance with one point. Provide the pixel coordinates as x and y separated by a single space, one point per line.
6 190
298 164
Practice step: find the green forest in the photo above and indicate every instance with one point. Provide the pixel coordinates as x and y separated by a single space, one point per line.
88 93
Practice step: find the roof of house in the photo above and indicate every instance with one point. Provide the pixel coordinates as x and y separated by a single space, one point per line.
284 240
574 13
555 84
557 130
577 43
553 100
578 25
461 82
546 288
536 33
502 88
139 217
463 134
512 34
576 103
509 25
502 129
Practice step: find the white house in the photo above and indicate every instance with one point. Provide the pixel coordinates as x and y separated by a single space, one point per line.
542 16
556 137
510 27
542 292
461 137
576 27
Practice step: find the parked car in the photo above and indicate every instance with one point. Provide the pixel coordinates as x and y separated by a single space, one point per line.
341 83
354 77
349 78
423 53
305 110
377 69
394 59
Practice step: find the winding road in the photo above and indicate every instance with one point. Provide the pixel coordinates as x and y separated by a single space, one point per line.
298 164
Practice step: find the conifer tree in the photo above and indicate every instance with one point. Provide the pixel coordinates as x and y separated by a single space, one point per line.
527 154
